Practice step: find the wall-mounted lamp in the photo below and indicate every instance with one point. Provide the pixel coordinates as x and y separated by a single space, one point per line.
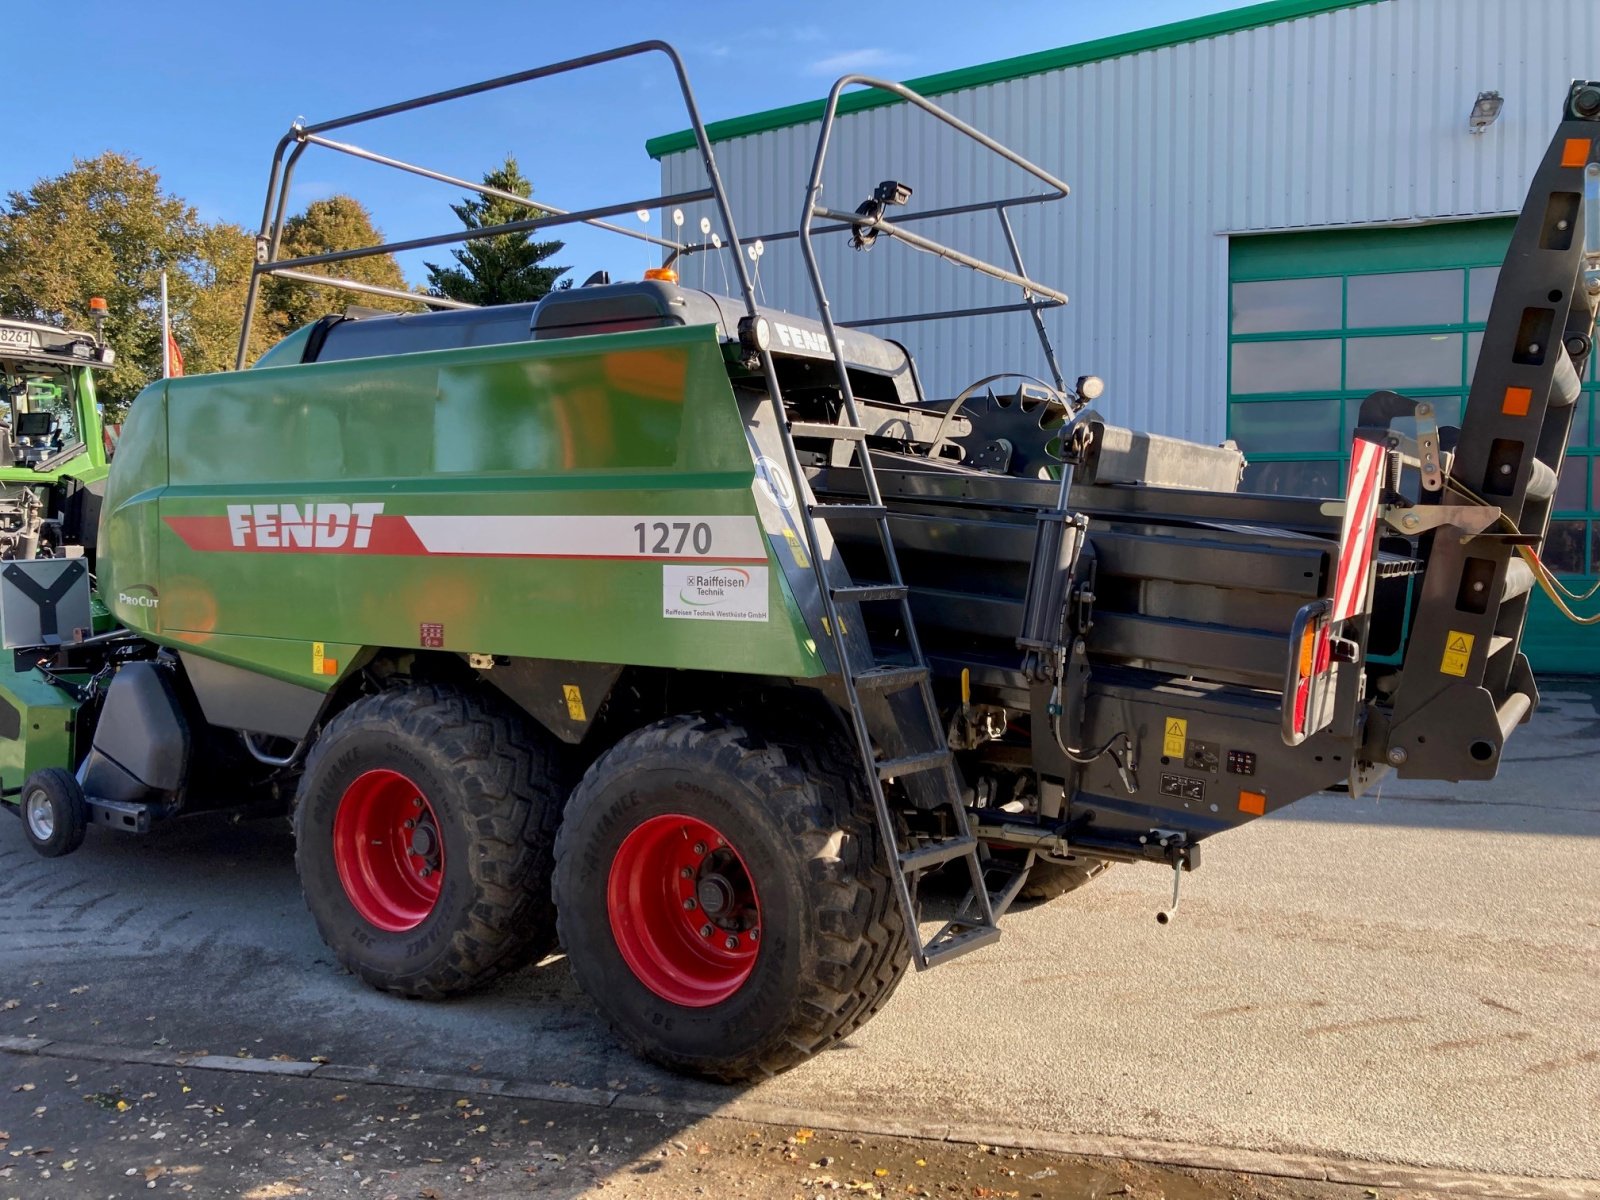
1485 111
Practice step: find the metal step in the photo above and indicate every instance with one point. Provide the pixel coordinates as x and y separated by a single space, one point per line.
1013 877
814 429
848 512
956 939
889 679
871 591
936 854
911 764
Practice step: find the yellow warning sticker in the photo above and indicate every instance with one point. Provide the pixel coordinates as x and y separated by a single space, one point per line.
574 699
797 548
1457 653
318 653
1174 732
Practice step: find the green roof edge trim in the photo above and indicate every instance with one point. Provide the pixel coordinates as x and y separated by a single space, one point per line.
1195 29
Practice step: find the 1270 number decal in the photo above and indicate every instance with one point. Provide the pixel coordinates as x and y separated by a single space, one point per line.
673 537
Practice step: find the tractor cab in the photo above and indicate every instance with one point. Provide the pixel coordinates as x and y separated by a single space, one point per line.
50 421
53 454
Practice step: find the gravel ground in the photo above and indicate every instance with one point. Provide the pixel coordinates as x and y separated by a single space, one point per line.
73 1129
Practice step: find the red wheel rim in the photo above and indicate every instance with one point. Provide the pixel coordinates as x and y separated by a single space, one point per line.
389 851
684 911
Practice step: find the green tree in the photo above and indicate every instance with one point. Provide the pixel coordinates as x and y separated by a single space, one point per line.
508 269
107 228
337 223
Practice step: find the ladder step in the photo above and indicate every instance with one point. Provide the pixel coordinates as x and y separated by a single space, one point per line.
849 512
956 939
871 591
911 764
936 854
1012 879
814 429
889 679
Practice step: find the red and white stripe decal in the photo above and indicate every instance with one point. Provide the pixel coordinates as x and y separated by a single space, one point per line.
308 529
1359 535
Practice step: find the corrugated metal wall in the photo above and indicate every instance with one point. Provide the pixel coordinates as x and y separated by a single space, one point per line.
1350 117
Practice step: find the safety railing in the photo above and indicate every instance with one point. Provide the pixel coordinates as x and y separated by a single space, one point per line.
293 145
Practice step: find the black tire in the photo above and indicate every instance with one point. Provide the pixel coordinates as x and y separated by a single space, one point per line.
833 943
1048 879
55 813
494 787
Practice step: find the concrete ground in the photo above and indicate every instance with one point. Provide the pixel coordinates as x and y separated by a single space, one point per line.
1411 977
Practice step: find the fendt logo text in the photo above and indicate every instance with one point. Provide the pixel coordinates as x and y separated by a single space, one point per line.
801 339
327 525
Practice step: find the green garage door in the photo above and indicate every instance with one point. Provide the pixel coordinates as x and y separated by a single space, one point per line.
1319 320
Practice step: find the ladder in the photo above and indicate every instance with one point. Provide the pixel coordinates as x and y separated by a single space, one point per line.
901 738
889 691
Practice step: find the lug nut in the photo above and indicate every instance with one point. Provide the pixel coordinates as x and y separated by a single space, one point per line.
411 824
685 873
705 931
732 943
426 871
754 933
416 802
689 903
700 848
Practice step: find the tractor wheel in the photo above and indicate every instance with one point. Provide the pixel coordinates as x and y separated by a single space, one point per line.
725 898
1048 879
424 838
55 813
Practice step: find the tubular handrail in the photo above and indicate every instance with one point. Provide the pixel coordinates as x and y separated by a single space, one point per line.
286 156
1036 296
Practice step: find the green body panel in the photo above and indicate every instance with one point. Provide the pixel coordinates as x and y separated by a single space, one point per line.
612 430
45 717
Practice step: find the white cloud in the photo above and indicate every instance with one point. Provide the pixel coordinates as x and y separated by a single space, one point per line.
851 61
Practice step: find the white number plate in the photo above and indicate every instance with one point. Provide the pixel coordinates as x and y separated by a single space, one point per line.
18 339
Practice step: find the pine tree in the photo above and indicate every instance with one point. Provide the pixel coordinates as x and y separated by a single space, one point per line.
508 269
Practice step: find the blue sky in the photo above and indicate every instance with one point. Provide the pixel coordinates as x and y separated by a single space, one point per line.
201 92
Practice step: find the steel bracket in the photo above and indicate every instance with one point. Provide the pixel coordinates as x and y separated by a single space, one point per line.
1470 519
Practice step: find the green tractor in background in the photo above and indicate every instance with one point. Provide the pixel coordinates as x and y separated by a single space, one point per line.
54 456
54 462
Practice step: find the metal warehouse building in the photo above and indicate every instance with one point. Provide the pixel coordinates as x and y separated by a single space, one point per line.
1275 210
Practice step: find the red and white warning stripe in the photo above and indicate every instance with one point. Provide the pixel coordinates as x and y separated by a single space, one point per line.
1359 535
335 527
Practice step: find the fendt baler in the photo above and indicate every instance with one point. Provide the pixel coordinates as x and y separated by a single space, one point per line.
691 635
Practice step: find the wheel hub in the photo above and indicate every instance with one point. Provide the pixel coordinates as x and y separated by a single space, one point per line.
388 850
424 840
41 816
684 910
715 894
